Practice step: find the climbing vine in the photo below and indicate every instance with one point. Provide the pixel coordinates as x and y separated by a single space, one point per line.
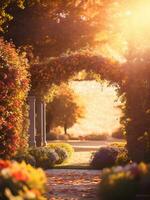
62 68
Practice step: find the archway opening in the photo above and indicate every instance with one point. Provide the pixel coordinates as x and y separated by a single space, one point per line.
102 110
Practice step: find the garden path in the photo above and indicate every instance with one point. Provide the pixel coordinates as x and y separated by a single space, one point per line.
72 184
75 180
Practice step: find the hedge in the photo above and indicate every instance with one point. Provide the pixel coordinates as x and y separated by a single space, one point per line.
14 87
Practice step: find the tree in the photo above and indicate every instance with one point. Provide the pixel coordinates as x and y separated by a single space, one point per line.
5 6
65 109
53 27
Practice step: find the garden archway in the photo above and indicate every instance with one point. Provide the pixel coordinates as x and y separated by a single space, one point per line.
58 70
131 77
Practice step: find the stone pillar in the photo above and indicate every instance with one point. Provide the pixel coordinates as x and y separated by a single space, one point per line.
39 120
32 126
44 124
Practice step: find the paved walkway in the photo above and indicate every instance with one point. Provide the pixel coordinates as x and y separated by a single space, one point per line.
76 184
67 184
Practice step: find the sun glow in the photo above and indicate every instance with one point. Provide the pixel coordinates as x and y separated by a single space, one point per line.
130 28
135 24
138 23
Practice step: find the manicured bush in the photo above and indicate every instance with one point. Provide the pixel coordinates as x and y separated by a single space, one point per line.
66 146
116 154
125 183
62 154
14 86
104 157
21 181
45 157
26 157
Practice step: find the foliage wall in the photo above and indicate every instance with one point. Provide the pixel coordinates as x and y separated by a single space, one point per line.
14 86
135 88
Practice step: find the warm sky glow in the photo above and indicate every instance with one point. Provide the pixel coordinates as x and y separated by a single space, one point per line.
102 116
130 25
138 21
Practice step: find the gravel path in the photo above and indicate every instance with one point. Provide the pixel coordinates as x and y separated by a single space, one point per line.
69 184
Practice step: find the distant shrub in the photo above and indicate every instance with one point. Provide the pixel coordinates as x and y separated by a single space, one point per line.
21 181
52 136
118 134
66 146
96 137
63 137
57 136
104 157
45 157
125 183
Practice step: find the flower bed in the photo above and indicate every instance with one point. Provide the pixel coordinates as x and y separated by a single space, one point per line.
125 183
21 181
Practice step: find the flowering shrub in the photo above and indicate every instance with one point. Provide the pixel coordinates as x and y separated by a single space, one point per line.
21 181
14 86
122 183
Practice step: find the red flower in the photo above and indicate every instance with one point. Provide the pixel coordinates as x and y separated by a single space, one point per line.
20 176
4 164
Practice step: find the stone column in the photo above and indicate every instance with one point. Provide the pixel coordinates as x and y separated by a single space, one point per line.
32 128
44 124
39 120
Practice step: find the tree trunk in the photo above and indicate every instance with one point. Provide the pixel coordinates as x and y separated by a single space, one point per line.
65 129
